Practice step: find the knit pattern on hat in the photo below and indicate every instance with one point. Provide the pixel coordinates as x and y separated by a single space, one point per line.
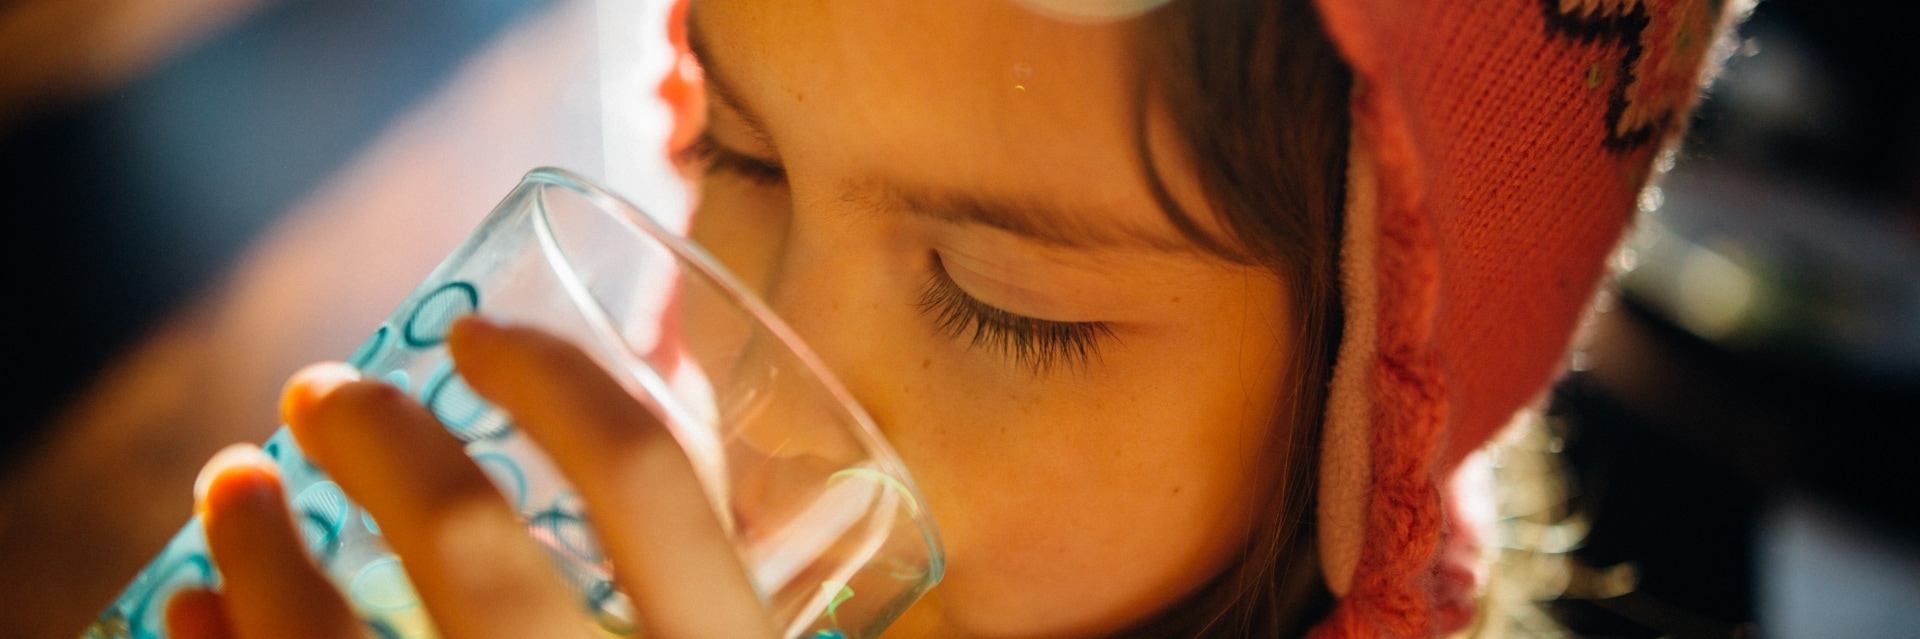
1511 139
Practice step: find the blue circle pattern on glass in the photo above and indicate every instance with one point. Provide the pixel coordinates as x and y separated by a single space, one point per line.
427 326
321 510
506 475
569 534
382 586
460 409
611 608
190 569
375 343
378 629
563 530
398 379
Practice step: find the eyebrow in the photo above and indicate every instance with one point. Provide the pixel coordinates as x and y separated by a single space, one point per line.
1036 219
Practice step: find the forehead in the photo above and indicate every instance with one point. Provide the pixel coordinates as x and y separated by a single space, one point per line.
974 95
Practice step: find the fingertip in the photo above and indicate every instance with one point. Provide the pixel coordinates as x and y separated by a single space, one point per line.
489 354
270 586
194 613
305 389
470 332
240 472
473 326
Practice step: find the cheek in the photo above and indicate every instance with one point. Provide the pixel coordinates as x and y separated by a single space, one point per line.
1069 505
743 225
1071 512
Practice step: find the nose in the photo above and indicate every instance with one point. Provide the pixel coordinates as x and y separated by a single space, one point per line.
807 267
807 490
825 283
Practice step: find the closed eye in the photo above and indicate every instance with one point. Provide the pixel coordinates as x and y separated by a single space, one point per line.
1035 344
717 158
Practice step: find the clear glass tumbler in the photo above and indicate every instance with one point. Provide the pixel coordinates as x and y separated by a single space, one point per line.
829 523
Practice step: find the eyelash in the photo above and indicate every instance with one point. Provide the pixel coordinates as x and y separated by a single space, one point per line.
706 152
1036 344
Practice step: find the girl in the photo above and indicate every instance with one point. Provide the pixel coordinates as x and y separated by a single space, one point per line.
1186 315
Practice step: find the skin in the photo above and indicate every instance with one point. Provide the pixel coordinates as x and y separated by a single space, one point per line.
1075 497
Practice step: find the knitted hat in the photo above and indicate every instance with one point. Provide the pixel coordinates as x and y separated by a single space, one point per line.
1499 149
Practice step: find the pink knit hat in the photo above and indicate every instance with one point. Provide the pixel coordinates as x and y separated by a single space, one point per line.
1499 149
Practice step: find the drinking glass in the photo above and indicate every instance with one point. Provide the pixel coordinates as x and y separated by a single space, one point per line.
829 524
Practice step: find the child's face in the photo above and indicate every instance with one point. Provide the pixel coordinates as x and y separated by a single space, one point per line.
992 154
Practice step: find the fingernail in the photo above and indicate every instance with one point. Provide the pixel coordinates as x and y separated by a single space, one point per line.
236 456
306 387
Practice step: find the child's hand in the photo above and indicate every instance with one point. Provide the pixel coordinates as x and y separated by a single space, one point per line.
471 561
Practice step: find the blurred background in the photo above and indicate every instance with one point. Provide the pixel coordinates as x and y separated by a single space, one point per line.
1743 425
204 195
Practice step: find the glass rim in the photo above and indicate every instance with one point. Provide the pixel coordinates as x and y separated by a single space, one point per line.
688 253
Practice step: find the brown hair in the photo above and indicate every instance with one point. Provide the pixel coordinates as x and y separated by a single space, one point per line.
1260 97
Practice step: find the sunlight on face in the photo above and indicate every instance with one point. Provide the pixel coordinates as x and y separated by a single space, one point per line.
947 201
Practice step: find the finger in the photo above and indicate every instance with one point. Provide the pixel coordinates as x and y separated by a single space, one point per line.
668 547
469 557
272 588
197 614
